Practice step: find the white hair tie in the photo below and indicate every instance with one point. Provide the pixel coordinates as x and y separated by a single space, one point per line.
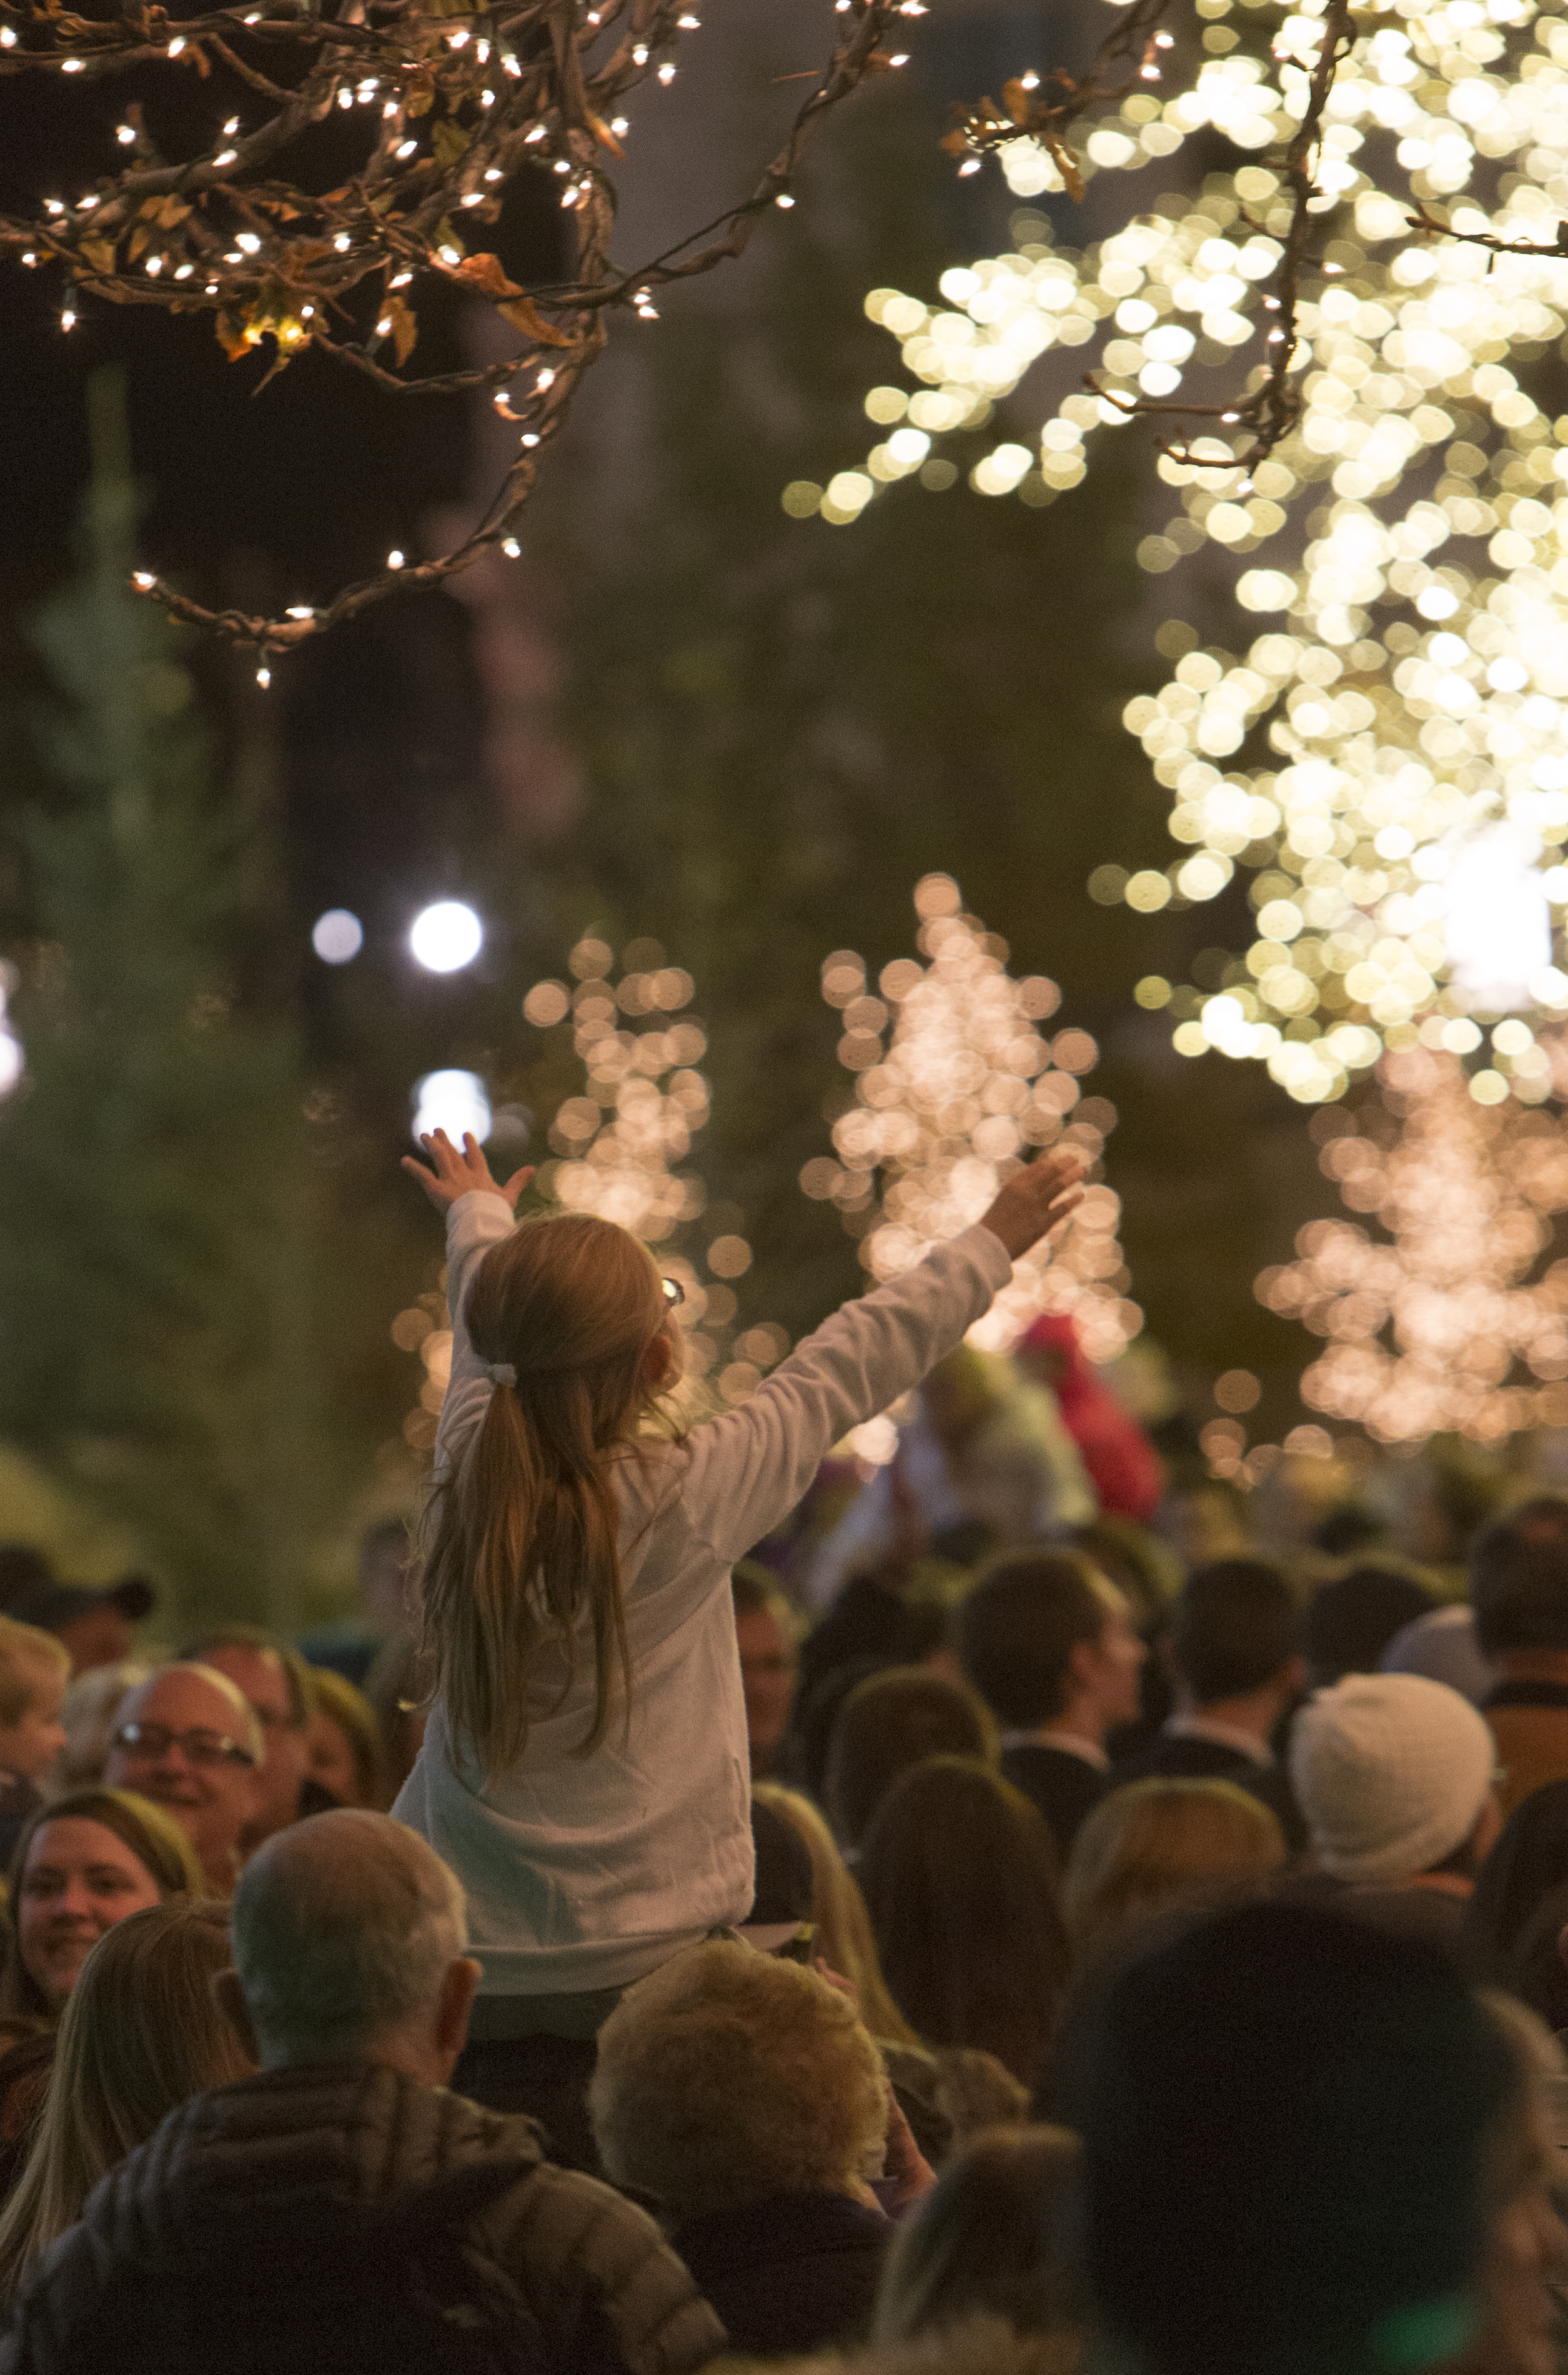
501 1373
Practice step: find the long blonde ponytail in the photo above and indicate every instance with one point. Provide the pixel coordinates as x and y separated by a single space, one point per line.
522 1534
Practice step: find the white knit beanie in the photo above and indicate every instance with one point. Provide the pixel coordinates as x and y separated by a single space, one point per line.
1391 1772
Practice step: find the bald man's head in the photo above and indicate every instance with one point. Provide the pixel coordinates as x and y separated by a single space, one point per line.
345 1928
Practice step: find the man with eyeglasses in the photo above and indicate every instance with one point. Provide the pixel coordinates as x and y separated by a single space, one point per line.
276 1682
187 1740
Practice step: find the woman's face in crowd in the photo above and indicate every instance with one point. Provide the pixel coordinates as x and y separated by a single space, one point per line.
332 1759
80 1879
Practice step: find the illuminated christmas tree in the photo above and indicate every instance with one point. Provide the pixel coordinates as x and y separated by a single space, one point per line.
1438 1325
956 1085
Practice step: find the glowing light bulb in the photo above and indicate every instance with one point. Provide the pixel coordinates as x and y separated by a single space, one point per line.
453 1100
1499 922
337 937
446 937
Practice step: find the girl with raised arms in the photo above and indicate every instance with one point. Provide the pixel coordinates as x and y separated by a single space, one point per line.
585 1767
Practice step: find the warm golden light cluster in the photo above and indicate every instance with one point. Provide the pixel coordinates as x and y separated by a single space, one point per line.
1386 763
621 1149
955 1085
1441 1328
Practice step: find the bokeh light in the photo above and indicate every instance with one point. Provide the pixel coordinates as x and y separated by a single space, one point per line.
446 937
13 1060
337 937
453 1100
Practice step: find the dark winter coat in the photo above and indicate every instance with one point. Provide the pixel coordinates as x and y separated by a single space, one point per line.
793 2272
341 2216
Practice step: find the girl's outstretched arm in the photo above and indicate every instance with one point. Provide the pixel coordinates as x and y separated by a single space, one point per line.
457 1175
749 1468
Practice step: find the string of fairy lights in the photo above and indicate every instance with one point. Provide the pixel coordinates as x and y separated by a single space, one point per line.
453 104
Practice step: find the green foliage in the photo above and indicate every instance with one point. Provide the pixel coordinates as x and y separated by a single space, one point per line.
161 1213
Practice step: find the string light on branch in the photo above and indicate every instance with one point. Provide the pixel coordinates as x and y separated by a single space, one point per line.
233 225
1346 374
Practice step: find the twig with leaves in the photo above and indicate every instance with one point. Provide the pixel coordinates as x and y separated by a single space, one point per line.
1045 107
457 101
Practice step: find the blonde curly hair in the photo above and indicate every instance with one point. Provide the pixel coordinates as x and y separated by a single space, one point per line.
725 2076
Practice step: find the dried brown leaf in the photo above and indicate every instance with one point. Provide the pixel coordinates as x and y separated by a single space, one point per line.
1066 165
405 326
525 315
486 274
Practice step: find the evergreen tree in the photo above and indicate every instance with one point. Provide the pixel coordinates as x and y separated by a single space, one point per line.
160 1207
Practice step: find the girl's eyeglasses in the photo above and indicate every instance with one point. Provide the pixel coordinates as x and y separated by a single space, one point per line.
674 1293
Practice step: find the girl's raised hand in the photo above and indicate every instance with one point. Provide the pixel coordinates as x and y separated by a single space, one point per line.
1034 1199
460 1173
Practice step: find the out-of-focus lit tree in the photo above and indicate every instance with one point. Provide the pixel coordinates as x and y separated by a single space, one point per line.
1344 335
955 1085
1457 1320
166 1305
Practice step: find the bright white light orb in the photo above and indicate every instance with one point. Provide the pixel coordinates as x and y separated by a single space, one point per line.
455 1102
1499 924
11 1060
446 937
337 936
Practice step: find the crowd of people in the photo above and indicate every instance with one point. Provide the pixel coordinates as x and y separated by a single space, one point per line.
1003 1912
